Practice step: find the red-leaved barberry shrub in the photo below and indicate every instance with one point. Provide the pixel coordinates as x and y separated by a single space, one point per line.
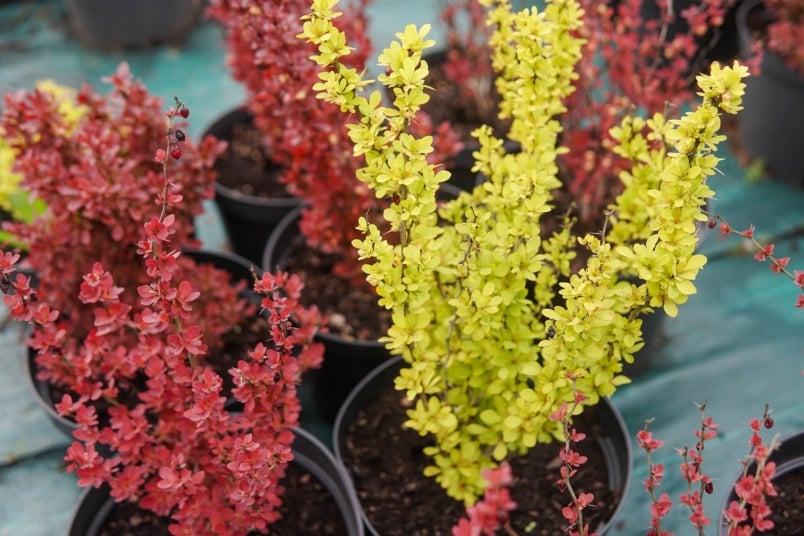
101 179
100 183
173 448
305 135
467 63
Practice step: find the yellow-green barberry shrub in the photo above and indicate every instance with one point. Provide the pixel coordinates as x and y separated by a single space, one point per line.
474 288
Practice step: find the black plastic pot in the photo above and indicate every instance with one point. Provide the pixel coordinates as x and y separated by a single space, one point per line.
117 24
247 219
346 361
238 268
95 504
789 458
772 120
614 442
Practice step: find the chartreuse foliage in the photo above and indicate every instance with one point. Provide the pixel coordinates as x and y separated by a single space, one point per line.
14 200
475 296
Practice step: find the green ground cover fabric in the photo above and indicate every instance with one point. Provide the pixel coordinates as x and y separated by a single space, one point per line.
736 345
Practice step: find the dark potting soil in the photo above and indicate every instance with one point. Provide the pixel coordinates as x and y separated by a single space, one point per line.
386 462
307 509
787 508
246 167
788 505
352 310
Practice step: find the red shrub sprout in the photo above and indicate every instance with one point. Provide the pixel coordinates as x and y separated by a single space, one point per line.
490 512
571 461
751 489
751 511
763 252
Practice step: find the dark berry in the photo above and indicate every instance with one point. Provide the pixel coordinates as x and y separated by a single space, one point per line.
277 377
709 488
184 112
711 224
180 137
768 422
175 152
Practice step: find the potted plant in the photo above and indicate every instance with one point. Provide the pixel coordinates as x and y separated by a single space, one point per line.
135 362
173 449
487 334
306 139
97 178
773 120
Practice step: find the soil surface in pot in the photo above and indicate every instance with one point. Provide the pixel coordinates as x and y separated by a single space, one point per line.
386 462
307 509
788 506
352 311
246 167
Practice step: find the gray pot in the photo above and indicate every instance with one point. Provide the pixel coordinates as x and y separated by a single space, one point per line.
117 24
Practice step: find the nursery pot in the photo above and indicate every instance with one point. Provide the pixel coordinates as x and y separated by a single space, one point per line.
248 219
238 268
611 442
115 24
310 455
346 361
771 124
789 459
